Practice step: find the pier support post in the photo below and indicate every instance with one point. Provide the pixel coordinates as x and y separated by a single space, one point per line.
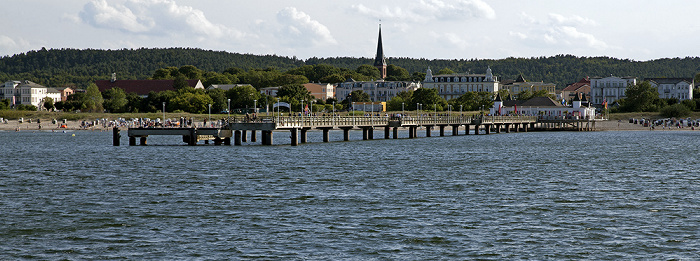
387 130
244 136
227 141
326 135
498 128
132 141
346 134
266 137
364 133
253 136
217 141
476 129
455 130
294 137
396 132
524 127
507 127
237 138
411 132
442 131
428 130
193 137
143 141
116 136
517 127
370 133
487 128
303 135
466 129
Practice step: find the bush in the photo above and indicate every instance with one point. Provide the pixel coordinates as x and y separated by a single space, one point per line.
676 110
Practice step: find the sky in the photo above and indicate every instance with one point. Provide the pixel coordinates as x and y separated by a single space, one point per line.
432 29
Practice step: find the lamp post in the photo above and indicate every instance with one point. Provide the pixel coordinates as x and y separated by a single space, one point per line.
210 113
302 111
163 112
402 110
312 108
255 106
333 115
228 108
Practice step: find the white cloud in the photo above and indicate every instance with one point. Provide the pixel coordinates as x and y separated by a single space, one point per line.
10 45
430 10
298 29
154 17
558 31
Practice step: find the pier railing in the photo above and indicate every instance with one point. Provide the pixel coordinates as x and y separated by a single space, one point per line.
378 121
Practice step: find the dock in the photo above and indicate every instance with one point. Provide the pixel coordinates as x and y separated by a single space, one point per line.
238 129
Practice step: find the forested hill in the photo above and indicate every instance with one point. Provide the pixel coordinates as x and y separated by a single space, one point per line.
66 67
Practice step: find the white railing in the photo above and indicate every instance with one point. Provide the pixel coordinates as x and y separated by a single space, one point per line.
379 121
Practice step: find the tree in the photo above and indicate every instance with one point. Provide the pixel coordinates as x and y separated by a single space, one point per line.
396 73
242 96
428 97
192 102
640 97
369 71
396 104
218 97
93 99
445 71
48 103
115 100
295 92
190 72
180 82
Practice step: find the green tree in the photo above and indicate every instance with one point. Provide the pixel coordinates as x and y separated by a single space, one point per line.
368 71
242 96
295 92
218 97
445 71
640 97
192 102
115 100
429 98
48 103
396 104
93 99
190 72
396 73
676 110
180 82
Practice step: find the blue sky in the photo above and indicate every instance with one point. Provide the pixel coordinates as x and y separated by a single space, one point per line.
432 29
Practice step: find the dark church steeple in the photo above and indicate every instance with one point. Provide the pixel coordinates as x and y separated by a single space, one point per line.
379 60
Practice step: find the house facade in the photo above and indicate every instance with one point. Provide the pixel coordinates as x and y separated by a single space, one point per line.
143 87
451 86
29 93
609 89
543 107
379 91
321 91
582 87
520 84
679 88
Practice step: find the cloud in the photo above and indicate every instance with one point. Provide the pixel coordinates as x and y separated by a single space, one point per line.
298 29
153 17
558 31
10 45
431 10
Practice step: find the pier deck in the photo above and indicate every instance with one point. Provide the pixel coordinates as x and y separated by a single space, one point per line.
237 128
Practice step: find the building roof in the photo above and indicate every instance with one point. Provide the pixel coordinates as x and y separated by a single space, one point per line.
520 78
379 60
669 80
30 84
141 87
534 102
577 86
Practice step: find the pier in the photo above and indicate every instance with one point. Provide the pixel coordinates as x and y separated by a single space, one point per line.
239 129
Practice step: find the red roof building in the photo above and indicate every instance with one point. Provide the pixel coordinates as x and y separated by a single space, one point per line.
574 90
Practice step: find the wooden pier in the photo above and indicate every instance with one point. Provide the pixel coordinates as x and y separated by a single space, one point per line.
237 129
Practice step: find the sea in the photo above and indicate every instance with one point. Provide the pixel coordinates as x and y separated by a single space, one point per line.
617 195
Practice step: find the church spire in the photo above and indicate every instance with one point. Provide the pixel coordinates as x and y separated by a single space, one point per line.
379 60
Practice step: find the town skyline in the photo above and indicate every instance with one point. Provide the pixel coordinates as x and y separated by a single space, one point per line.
431 29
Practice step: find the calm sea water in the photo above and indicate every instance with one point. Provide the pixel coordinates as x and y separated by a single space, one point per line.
562 195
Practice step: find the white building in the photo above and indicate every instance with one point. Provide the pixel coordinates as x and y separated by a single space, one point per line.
379 91
451 86
543 107
609 89
29 93
679 88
